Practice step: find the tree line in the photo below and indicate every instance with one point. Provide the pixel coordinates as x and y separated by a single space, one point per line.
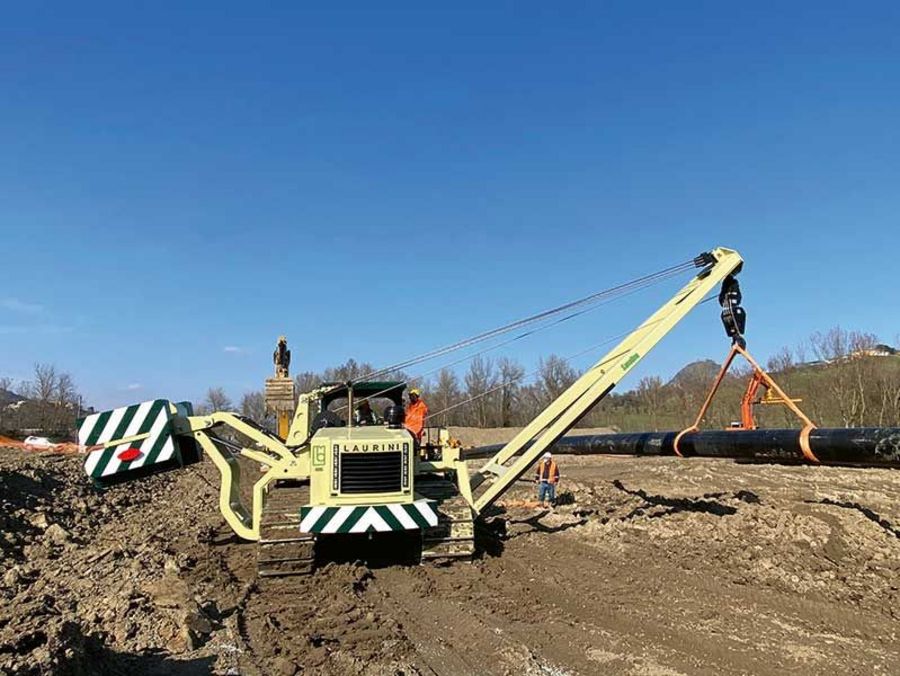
844 379
48 403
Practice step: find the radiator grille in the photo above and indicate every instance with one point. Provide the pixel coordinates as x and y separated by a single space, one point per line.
371 472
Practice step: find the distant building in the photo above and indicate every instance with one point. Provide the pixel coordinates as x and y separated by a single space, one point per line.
877 351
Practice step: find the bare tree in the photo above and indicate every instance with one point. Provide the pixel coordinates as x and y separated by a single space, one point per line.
217 400
54 400
531 401
887 384
849 380
443 394
44 385
833 348
801 351
511 375
863 369
862 344
6 385
838 344
306 381
781 362
253 406
555 375
349 370
649 394
42 389
480 381
66 392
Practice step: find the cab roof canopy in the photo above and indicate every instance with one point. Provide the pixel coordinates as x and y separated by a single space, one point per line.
387 389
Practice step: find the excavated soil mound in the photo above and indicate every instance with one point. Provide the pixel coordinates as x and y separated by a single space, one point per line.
648 566
146 578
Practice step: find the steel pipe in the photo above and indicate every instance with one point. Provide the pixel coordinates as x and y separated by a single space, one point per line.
858 446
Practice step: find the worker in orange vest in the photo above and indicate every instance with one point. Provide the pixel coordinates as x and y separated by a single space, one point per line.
546 477
416 412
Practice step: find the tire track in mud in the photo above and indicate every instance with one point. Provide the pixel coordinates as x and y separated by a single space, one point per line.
324 623
723 572
623 600
677 573
537 618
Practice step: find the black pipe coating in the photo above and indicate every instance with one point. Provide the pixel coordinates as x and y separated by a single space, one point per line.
860 446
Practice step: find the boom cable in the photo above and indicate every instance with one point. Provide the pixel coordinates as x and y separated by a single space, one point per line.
598 300
565 360
606 294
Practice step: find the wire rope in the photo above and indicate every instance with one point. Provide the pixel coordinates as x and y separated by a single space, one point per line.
606 294
626 290
566 360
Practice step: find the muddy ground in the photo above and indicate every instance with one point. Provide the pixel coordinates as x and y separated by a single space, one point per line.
654 566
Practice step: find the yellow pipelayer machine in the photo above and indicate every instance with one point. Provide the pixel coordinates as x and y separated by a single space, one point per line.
327 477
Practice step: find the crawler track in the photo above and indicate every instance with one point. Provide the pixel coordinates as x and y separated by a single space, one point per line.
283 549
454 536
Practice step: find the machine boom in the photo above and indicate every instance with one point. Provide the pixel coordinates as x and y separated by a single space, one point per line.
495 478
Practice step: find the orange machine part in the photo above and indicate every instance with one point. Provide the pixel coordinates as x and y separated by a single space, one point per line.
760 377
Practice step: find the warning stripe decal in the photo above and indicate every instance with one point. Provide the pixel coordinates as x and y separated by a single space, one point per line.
101 428
365 519
147 425
105 462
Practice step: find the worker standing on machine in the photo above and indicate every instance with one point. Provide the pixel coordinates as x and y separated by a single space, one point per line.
416 412
547 476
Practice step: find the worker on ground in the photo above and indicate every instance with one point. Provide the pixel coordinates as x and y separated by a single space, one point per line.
547 476
416 412
364 414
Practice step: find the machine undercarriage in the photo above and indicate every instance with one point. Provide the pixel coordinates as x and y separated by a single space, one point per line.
284 550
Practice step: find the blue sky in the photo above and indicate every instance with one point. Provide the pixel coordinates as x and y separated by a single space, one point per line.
179 185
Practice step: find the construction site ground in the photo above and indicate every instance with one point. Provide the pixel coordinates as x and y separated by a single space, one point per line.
648 566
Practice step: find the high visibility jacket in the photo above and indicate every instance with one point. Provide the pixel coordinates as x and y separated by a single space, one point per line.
548 471
415 418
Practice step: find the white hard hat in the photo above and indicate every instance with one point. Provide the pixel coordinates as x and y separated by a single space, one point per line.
547 455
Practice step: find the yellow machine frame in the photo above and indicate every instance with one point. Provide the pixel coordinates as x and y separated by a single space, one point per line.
290 459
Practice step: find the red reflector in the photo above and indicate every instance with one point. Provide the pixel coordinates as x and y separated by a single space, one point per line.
130 454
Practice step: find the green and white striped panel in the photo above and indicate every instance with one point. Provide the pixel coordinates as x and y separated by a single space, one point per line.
146 428
365 519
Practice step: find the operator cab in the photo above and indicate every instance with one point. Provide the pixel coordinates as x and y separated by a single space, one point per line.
366 404
353 460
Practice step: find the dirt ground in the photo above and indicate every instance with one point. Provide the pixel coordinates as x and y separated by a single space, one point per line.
652 566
